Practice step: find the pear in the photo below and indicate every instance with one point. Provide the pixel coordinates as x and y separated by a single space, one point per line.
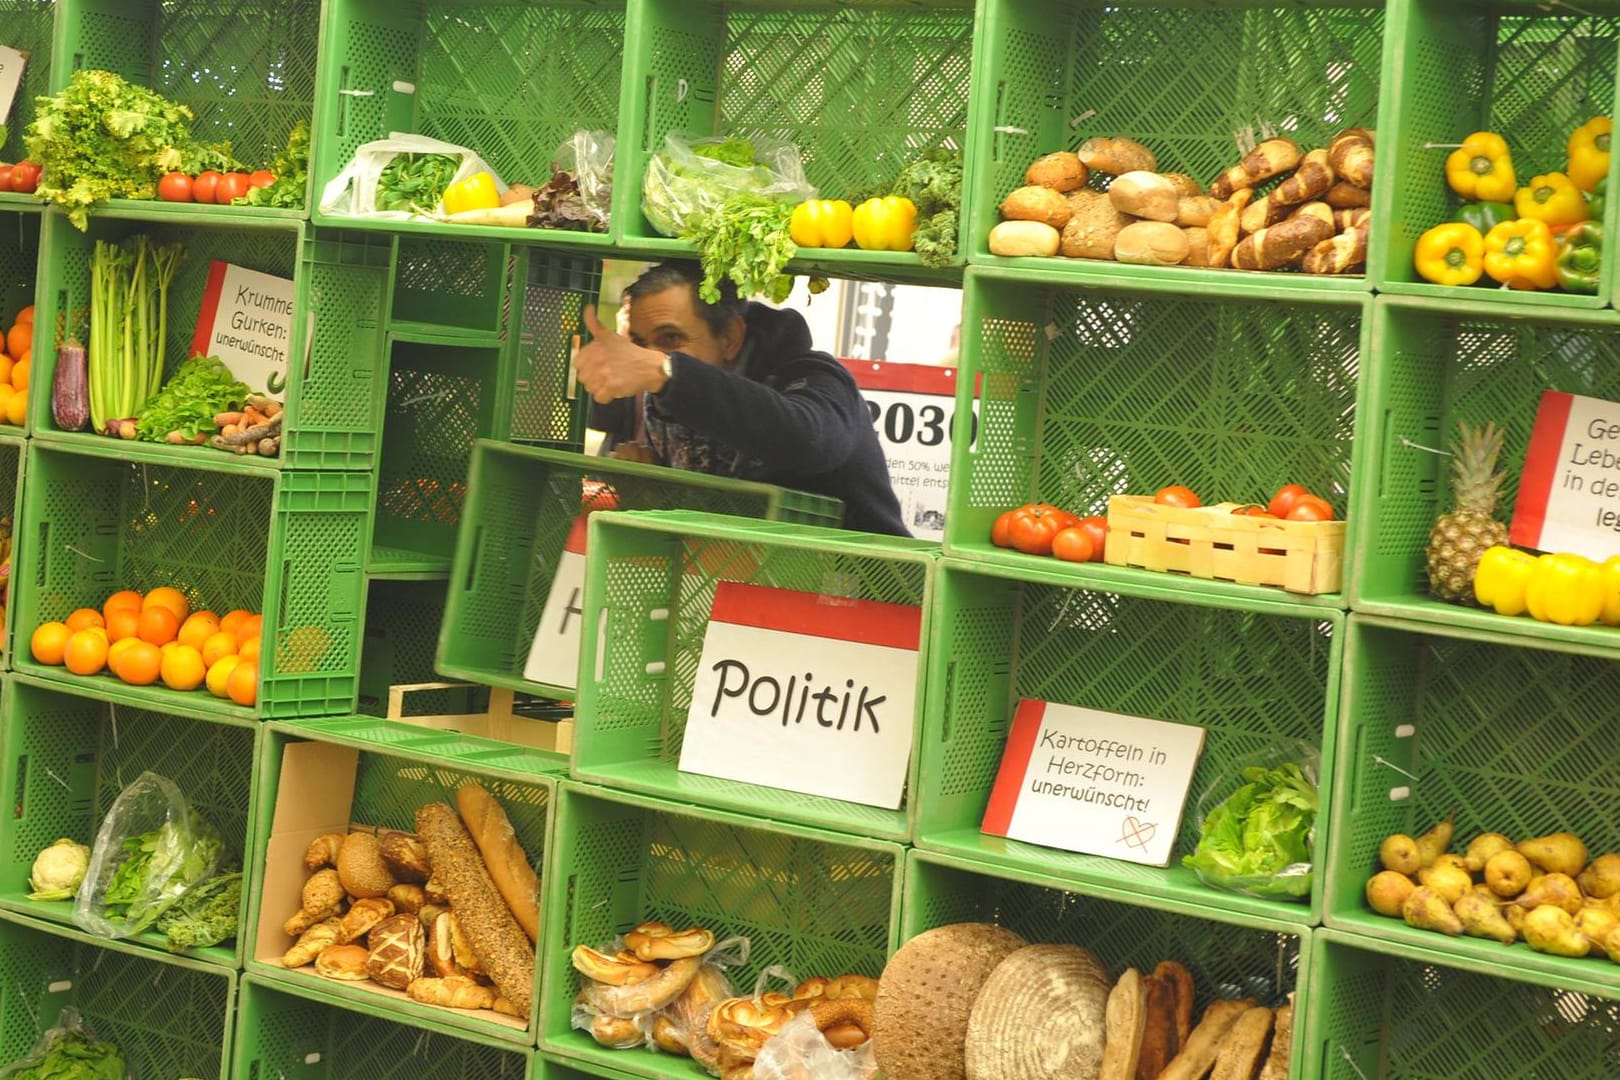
1426 909
1508 873
1482 847
1552 930
1400 854
1514 914
1559 853
1601 879
1552 890
1387 892
1456 861
1434 843
1451 882
1597 924
1479 888
1480 917
1611 945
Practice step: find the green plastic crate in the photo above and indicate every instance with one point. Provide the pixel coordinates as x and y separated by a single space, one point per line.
245 68
1228 955
397 769
66 760
630 724
1385 1011
401 635
509 80
20 270
1251 673
104 516
819 903
1187 80
452 290
285 1030
12 457
521 503
170 1016
546 1068
29 26
1438 365
332 399
1083 394
1500 737
861 88
1531 72
548 409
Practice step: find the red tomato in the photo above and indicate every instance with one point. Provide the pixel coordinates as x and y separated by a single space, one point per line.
231 186
1001 531
1095 527
1067 519
1310 508
5 177
1253 510
1176 495
175 187
262 178
206 186
24 177
1286 497
1073 545
1033 527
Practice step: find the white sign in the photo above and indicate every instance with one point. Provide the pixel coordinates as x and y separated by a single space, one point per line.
554 655
913 407
807 693
1569 493
11 73
1094 782
246 320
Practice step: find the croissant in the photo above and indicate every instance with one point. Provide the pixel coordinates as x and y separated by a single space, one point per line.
311 942
454 992
322 851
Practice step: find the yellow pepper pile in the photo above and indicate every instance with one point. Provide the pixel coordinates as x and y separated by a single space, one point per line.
1570 590
879 224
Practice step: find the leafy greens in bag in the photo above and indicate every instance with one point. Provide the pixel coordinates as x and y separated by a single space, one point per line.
1258 840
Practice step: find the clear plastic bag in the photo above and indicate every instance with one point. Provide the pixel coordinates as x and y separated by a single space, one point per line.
588 155
681 185
622 1030
353 192
800 1052
1258 824
68 1043
150 851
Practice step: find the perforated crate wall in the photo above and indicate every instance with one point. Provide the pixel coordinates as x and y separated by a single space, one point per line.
1497 737
547 408
1256 676
1197 84
1085 394
67 759
282 1031
813 901
521 503
1530 72
402 634
169 1016
29 27
288 545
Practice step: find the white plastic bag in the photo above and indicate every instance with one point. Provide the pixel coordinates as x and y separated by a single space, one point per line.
799 1052
682 185
353 192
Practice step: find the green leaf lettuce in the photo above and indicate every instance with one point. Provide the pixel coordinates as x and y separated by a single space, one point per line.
1258 841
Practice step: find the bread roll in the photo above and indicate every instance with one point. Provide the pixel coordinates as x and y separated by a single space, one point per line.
346 963
1061 171
1116 155
361 868
1145 195
1094 227
405 856
1152 243
508 864
1020 239
1032 203
397 947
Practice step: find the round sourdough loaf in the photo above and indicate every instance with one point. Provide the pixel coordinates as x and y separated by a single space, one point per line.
927 991
1042 1015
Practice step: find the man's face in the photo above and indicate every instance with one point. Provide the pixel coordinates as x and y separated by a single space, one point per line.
668 321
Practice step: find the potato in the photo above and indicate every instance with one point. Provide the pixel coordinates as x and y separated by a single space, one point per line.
1033 203
1116 156
1151 243
1061 171
1195 210
1145 195
1091 232
1022 238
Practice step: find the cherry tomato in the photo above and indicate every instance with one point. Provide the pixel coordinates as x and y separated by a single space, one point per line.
1033 527
262 178
1253 510
1074 545
175 187
206 186
1286 497
231 186
1176 495
1310 508
1001 531
24 177
1095 527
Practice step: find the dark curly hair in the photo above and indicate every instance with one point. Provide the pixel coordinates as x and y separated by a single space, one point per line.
674 274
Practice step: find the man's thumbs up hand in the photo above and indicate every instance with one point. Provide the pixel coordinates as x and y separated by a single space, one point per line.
612 366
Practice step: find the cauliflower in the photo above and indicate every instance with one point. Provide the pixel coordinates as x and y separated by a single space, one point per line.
58 870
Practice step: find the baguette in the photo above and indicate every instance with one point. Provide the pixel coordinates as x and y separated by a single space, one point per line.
1198 1056
504 857
505 953
1159 1044
1181 980
1243 1046
1282 1045
1125 1022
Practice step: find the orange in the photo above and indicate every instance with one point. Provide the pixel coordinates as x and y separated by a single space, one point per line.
20 339
219 674
218 647
117 649
140 664
123 624
17 410
159 625
182 669
249 649
84 619
242 684
86 653
49 642
233 620
5 369
19 373
249 627
127 600
165 597
25 316
198 628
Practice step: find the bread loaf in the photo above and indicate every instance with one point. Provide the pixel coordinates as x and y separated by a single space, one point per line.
504 857
1126 1024
1198 1056
1060 991
1160 1043
926 995
1183 994
1243 1046
1282 1045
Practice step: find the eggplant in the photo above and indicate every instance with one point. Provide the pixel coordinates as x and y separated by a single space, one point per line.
70 388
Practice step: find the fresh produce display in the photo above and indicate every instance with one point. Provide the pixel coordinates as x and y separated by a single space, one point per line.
58 869
156 870
919 211
1280 208
447 914
129 318
21 177
1461 535
1259 840
206 915
143 639
68 1052
1555 587
184 410
415 183
1044 529
1546 234
16 361
1002 989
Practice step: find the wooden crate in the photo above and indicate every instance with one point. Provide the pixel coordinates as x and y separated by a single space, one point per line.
499 722
1212 542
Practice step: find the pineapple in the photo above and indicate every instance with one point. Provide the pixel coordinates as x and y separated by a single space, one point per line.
1462 535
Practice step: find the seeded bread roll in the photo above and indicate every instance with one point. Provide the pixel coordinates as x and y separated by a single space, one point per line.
361 868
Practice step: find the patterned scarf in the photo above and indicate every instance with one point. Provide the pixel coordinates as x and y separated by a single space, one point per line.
680 447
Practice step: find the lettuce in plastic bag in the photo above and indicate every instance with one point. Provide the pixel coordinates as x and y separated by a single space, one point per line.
1258 840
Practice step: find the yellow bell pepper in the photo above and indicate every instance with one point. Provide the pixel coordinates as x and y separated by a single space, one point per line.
885 224
1552 199
1589 152
1522 254
476 192
1482 169
822 223
1450 254
1565 589
1611 591
1501 578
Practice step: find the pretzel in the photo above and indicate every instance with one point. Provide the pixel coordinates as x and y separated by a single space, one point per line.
648 994
744 1024
840 1015
622 969
656 941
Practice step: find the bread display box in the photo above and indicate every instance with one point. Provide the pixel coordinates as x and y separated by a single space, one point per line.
404 885
1213 542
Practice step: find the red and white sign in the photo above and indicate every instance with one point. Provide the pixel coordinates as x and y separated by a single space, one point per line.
246 320
11 73
913 407
807 693
1095 782
554 655
1569 493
